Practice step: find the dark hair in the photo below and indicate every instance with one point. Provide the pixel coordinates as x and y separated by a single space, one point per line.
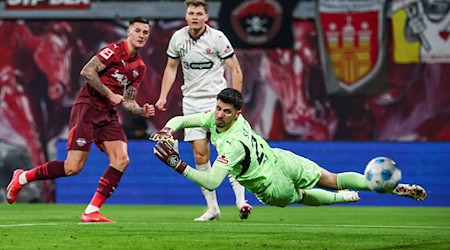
196 3
231 96
139 19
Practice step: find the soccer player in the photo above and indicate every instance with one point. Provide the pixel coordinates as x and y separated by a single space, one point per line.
278 177
113 77
203 53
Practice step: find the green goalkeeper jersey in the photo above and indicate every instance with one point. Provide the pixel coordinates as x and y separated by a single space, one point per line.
242 152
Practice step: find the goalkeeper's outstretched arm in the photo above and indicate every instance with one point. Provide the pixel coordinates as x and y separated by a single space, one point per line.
186 121
210 180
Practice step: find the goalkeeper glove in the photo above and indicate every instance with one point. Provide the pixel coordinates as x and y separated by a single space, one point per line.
163 134
169 156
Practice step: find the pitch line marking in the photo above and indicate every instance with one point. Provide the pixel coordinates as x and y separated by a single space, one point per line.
331 225
29 225
351 225
252 224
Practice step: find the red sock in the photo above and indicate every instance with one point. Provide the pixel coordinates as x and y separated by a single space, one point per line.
97 200
106 186
49 170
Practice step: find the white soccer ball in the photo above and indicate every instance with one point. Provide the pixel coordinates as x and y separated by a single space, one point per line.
382 175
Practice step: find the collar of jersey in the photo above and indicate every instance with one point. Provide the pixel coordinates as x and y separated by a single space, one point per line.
206 28
125 44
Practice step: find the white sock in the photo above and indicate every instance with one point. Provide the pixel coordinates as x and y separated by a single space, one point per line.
239 191
210 196
91 209
23 178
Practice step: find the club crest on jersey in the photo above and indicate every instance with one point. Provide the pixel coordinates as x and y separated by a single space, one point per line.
135 73
228 49
222 159
81 142
208 51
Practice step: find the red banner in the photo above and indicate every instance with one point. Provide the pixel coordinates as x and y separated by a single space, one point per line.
47 4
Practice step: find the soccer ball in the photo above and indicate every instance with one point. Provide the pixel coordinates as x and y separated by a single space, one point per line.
382 175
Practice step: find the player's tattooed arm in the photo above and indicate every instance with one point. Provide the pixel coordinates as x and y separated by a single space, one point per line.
129 101
90 72
130 104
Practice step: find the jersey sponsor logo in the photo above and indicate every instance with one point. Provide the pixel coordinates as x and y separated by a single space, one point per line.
121 78
106 53
202 65
222 159
81 142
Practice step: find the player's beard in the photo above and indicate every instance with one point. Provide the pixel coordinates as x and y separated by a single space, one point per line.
220 123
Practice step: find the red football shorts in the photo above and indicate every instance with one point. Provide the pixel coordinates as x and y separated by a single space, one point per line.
88 125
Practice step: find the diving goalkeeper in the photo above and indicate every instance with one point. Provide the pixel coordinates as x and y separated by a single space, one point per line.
277 177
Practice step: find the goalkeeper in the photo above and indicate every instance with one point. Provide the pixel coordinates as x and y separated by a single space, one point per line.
277 177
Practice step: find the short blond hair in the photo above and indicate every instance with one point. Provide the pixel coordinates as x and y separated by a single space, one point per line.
196 3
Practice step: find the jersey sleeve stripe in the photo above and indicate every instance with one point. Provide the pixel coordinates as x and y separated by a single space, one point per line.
228 56
173 57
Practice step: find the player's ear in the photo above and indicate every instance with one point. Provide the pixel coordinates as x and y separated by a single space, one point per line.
206 18
238 113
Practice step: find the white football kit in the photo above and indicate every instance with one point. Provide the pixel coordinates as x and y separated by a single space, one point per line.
203 65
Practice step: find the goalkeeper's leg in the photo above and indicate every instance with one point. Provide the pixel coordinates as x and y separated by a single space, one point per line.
318 197
351 180
239 191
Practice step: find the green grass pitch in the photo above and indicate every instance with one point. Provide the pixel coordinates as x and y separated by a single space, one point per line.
42 226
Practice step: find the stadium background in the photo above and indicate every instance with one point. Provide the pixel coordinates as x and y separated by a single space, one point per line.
286 100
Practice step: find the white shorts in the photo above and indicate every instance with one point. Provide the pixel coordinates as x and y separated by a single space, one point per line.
194 106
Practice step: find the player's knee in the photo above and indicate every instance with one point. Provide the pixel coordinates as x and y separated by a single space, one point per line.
73 168
328 180
201 159
301 194
121 162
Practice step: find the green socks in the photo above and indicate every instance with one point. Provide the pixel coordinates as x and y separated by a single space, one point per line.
347 180
351 180
318 197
